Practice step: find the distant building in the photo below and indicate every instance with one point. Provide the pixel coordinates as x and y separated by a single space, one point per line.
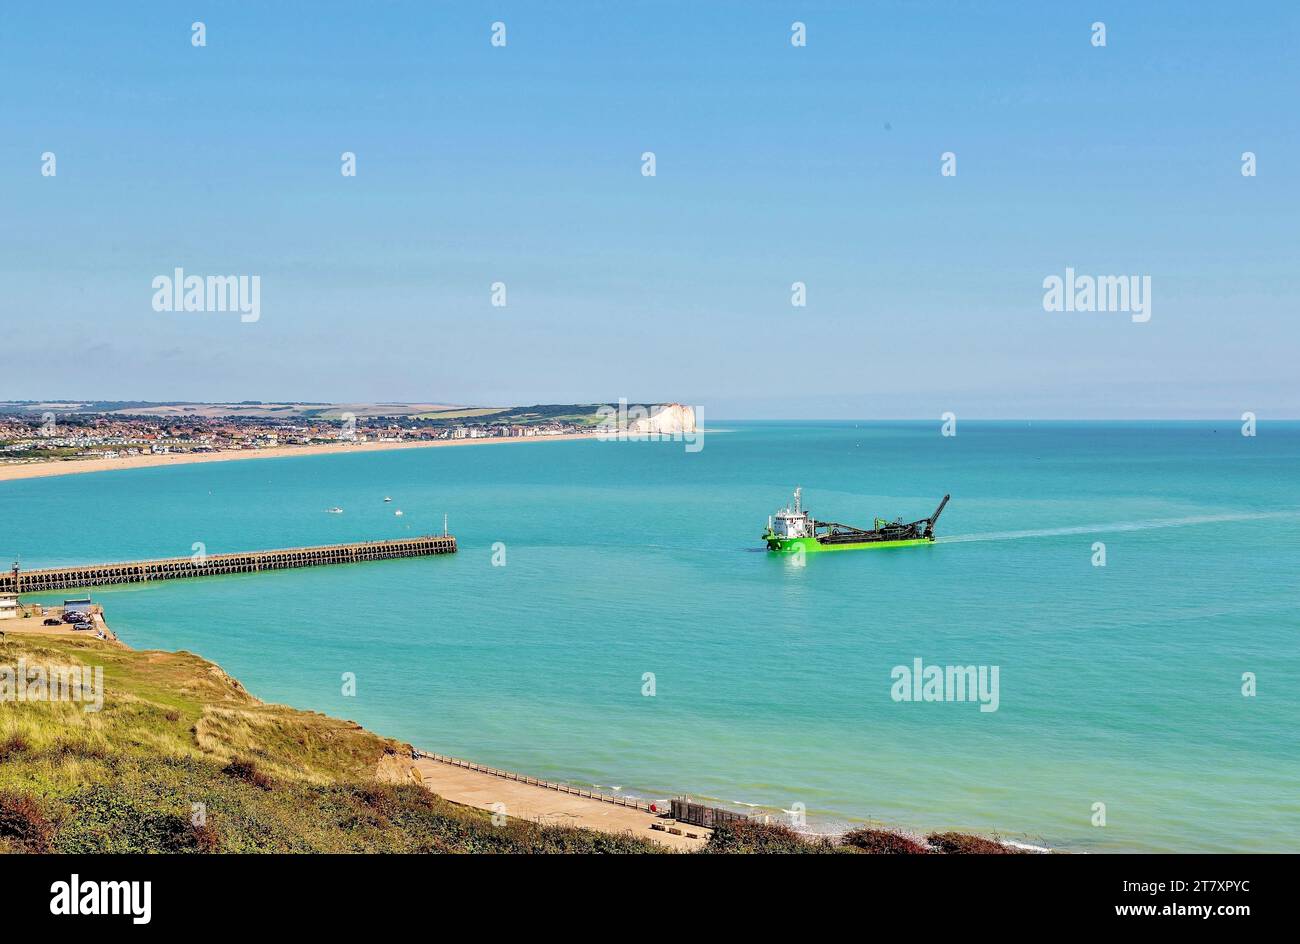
8 606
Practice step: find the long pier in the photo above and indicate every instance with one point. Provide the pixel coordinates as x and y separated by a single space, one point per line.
207 565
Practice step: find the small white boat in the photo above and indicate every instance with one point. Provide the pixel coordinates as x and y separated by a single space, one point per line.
334 511
398 513
387 499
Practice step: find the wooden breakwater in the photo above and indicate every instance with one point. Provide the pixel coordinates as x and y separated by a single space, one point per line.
698 814
207 565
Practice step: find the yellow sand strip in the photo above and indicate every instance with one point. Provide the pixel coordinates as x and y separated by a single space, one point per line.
544 805
32 470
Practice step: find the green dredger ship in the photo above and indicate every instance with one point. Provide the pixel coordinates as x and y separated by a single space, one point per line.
792 529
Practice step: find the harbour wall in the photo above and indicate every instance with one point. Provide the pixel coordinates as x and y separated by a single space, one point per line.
207 565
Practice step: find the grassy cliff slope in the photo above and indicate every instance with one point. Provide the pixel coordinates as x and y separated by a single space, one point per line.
177 738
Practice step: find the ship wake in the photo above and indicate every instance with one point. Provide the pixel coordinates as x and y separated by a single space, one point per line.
1144 525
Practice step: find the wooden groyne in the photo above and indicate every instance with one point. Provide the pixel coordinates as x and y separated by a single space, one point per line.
207 565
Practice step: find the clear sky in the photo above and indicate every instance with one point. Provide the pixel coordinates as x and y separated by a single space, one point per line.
775 164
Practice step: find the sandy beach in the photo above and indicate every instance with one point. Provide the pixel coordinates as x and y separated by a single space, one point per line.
543 805
34 470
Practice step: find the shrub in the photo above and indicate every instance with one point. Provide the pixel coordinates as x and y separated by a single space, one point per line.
71 748
381 799
767 838
24 822
246 769
14 744
883 842
964 844
205 837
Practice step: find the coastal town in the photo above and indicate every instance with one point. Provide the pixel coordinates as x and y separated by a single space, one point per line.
28 436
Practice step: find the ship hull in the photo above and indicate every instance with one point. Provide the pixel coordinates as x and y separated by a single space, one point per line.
812 545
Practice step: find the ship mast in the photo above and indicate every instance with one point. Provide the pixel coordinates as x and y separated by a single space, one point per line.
798 490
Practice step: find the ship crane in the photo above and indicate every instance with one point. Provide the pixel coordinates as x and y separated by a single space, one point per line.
930 522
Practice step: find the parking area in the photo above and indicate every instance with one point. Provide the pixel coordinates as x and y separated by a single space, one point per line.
49 621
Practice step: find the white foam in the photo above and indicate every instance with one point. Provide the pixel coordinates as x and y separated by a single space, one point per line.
1145 525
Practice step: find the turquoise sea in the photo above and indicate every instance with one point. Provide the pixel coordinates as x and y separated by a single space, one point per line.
1119 685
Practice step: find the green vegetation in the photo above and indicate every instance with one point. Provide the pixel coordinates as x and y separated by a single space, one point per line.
884 842
460 414
579 414
176 731
769 839
963 844
178 737
57 452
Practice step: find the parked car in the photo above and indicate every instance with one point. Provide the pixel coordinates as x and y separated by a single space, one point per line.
82 626
74 616
52 622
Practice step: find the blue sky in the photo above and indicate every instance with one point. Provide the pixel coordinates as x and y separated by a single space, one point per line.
775 164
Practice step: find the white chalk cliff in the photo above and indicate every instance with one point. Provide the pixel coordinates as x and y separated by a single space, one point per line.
668 419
